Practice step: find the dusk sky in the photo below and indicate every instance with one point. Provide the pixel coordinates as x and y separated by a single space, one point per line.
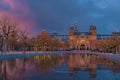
58 15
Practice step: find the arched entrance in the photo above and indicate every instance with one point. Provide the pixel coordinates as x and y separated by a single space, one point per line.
82 47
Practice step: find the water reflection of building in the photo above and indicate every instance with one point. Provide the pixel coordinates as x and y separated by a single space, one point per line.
88 63
19 68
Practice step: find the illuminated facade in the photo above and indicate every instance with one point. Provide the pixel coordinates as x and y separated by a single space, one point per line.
81 40
89 40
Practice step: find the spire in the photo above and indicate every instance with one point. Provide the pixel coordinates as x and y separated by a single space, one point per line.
92 27
71 27
76 30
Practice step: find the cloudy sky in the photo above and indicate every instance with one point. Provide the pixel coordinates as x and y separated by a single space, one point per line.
58 15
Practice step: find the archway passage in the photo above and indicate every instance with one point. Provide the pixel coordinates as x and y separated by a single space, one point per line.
82 47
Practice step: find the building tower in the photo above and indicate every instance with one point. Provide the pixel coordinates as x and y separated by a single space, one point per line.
71 37
75 29
93 31
72 31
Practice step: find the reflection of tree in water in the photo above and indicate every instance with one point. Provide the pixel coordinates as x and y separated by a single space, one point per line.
15 69
3 73
12 64
12 69
5 68
0 70
26 66
46 63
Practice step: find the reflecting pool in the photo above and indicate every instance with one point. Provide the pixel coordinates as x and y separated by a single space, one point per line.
73 66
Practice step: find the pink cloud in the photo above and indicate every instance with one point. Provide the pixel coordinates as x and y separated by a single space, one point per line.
24 19
16 5
24 22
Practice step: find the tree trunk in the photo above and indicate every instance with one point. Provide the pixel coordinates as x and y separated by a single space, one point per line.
24 50
5 47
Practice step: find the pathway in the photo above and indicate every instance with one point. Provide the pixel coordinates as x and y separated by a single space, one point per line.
113 57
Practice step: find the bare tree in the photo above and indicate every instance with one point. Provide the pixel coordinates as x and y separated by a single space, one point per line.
6 28
13 40
24 39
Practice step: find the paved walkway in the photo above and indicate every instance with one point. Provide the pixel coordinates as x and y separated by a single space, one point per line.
112 57
14 55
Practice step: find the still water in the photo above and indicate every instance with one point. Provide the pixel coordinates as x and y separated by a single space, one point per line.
60 67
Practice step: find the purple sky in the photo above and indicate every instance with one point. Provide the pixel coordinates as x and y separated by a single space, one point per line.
58 15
